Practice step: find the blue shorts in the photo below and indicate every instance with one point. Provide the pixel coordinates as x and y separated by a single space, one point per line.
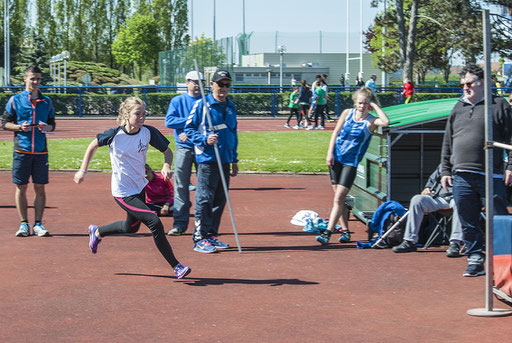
26 165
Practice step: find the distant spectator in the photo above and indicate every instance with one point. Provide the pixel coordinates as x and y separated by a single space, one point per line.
342 81
371 83
305 95
294 108
359 82
408 90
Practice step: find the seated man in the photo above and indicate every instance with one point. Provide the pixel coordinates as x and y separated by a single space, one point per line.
433 198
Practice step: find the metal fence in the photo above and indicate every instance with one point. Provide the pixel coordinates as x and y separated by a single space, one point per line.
88 100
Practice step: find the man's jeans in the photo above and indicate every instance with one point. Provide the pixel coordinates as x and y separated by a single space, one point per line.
421 204
210 200
183 161
468 192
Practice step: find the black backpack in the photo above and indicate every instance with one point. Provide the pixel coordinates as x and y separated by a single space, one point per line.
394 238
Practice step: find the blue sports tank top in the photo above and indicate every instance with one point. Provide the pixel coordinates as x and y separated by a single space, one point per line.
353 140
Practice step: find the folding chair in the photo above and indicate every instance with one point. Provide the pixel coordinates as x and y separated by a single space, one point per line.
441 227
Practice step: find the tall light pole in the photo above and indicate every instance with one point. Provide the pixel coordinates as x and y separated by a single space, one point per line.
281 49
214 14
7 48
191 20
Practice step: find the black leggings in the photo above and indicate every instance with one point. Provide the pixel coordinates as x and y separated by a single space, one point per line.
138 212
293 112
319 113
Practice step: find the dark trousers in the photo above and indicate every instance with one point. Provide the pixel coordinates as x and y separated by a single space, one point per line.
319 113
210 200
468 192
138 212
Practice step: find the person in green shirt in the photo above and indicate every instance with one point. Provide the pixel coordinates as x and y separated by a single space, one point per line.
294 108
319 106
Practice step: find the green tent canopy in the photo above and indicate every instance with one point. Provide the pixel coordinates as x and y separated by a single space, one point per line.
419 112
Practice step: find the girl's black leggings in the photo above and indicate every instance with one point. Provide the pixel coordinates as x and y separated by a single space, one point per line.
138 212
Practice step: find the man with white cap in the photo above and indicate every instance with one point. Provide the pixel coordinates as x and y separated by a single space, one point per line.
176 117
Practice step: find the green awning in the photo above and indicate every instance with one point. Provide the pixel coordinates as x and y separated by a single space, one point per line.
418 112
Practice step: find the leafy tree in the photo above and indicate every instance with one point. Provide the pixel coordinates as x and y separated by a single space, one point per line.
207 53
172 18
137 43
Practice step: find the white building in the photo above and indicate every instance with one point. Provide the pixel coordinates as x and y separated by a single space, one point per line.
264 68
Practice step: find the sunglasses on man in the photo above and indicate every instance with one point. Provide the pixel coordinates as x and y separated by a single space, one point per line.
223 84
469 84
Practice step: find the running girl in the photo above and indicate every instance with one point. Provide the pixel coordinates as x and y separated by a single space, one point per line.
129 144
347 147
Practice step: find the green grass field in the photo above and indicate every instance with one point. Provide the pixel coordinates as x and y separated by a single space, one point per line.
290 151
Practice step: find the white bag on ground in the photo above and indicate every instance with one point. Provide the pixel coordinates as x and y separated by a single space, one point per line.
302 217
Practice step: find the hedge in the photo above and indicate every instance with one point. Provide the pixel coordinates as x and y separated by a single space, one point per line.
246 103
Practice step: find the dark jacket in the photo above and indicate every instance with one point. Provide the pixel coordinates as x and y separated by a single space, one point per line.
434 184
464 138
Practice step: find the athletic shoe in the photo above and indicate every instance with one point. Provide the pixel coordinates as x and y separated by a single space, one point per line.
287 126
181 271
309 128
320 128
301 127
175 232
23 231
191 188
324 238
217 244
40 231
204 246
93 240
296 127
453 250
405 246
315 127
474 270
345 236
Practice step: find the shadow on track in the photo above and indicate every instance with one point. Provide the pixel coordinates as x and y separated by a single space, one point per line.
218 282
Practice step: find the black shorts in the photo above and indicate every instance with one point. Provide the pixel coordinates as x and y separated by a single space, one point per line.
342 174
26 165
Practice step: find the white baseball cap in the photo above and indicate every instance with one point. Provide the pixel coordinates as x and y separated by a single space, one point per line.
192 75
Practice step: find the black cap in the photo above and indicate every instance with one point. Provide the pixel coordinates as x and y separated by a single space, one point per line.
221 75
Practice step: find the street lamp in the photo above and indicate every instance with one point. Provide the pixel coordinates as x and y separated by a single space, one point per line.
281 49
63 56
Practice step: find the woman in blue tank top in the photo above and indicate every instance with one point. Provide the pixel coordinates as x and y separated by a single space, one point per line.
347 147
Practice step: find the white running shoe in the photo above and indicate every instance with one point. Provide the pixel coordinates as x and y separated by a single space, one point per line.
40 231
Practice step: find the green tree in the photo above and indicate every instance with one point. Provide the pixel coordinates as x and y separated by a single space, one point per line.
207 53
137 43
172 18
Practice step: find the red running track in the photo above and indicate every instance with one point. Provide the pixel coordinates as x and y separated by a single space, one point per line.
284 287
87 127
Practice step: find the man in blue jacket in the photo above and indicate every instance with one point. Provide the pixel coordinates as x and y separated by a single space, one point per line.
210 198
30 115
177 114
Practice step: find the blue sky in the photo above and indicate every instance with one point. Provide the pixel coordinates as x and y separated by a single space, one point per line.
279 15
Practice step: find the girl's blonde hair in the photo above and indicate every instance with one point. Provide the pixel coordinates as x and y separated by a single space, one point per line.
126 106
367 93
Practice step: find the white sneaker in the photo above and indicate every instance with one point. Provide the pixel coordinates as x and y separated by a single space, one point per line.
23 231
287 126
320 128
309 128
315 127
296 127
40 231
301 127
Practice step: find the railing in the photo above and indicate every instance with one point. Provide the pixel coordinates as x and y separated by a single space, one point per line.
78 100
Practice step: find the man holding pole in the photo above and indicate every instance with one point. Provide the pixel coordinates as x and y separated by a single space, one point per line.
463 160
222 131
